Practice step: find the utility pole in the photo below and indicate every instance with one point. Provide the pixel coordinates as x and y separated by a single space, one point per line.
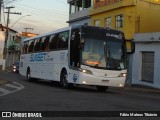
5 51
1 1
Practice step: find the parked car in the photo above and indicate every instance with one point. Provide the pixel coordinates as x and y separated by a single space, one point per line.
15 67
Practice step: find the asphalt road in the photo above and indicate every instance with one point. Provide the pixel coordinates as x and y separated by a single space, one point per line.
48 96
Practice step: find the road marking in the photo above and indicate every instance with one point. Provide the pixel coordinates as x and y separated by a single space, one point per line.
4 91
19 87
15 85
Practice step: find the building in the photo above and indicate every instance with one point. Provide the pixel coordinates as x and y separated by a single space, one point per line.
129 16
28 34
79 11
13 50
145 60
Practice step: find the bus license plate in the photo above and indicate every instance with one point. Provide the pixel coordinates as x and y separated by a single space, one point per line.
105 81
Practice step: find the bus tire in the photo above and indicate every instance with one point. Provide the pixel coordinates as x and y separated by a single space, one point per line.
102 88
28 74
64 80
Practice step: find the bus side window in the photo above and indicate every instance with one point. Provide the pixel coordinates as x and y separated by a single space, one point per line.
26 47
37 45
44 44
31 46
23 48
47 43
63 40
53 42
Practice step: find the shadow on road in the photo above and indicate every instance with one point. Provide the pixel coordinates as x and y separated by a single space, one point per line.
75 88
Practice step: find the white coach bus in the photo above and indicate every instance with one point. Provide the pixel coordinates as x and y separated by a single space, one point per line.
83 55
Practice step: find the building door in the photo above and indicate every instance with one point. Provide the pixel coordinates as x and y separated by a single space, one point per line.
148 66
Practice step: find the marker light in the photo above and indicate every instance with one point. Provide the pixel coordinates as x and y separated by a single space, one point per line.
120 85
84 82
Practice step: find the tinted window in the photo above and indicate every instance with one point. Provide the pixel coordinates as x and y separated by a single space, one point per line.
63 40
31 46
45 43
25 47
53 42
37 45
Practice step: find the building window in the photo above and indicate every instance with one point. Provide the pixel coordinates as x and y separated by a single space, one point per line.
79 6
72 8
96 23
87 3
148 66
86 24
108 22
119 21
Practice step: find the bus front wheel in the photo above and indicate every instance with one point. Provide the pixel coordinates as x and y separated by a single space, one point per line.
102 88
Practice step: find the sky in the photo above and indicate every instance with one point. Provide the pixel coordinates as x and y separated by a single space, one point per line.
45 15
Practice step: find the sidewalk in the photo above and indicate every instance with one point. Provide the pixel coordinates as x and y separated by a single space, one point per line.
7 70
142 88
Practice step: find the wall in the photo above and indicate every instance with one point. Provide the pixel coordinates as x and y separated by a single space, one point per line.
129 18
149 15
2 37
81 22
79 14
139 16
146 42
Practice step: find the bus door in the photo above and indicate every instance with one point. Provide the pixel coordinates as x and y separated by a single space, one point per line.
75 48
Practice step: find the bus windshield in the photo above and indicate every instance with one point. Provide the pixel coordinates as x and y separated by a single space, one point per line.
104 54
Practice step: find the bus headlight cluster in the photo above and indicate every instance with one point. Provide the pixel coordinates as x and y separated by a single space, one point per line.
123 75
86 71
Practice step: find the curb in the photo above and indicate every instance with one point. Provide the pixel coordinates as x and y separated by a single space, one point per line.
142 88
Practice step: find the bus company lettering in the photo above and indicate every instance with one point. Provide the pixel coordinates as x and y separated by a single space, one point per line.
38 57
120 36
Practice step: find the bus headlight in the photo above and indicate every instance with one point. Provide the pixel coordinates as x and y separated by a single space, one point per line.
86 71
123 75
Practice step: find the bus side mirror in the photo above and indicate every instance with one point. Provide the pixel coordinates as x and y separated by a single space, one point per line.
130 45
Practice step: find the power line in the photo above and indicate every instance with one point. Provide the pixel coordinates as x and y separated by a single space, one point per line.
46 10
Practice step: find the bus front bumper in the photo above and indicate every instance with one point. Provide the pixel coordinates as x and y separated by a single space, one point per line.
87 79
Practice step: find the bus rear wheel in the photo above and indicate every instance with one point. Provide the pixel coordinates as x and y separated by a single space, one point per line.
102 88
29 78
64 80
28 75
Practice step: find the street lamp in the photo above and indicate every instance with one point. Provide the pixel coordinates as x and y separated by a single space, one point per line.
19 20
